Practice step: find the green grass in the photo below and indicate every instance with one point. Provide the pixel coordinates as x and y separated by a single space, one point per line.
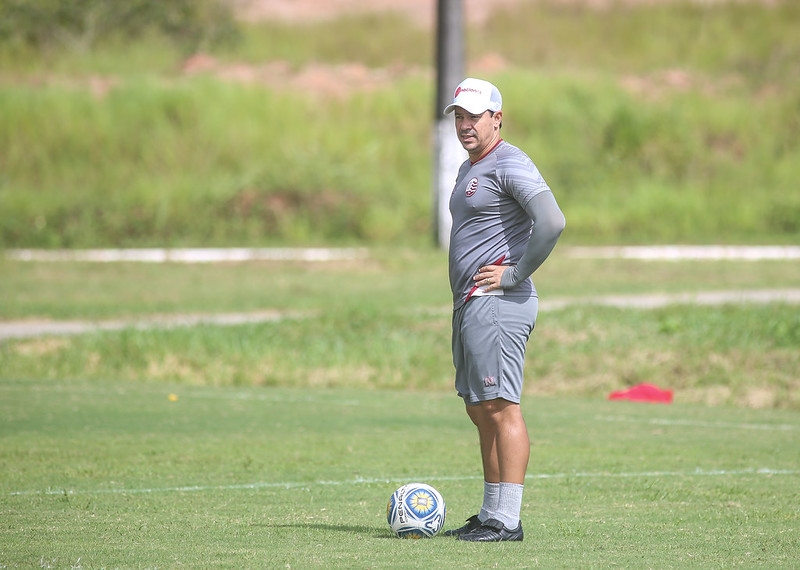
383 323
732 356
642 38
388 278
287 438
113 474
147 163
653 124
98 290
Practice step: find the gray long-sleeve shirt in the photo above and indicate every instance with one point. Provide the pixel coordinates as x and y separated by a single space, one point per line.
504 213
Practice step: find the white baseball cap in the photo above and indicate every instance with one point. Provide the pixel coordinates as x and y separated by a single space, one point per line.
475 96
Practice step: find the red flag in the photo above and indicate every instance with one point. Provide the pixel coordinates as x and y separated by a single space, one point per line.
643 393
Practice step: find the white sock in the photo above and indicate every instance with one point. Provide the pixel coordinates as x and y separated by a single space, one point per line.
491 496
509 505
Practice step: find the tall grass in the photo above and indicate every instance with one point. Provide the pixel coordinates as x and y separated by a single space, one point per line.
684 166
684 131
376 40
200 161
750 39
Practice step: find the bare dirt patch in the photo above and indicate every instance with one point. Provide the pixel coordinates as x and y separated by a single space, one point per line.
322 79
420 11
344 79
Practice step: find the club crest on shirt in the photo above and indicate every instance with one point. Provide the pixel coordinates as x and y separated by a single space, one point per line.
472 187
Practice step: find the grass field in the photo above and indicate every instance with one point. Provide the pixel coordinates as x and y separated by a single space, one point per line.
278 443
111 474
287 438
383 322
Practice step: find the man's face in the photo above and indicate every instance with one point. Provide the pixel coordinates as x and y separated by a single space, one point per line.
477 133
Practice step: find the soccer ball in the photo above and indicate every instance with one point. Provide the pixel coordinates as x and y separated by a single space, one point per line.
415 510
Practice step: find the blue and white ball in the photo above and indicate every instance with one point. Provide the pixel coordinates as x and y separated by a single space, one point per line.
416 510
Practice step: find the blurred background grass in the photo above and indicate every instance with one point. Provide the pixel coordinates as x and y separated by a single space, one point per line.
384 323
675 122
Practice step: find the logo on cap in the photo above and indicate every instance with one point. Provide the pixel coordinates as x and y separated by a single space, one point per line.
460 89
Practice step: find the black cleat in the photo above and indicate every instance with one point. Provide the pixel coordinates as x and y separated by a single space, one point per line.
473 523
493 531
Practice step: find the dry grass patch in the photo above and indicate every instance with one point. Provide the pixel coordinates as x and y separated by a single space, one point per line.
41 346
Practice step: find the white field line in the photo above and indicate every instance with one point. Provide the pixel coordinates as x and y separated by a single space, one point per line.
625 419
657 300
311 399
350 402
28 329
35 328
217 255
397 480
686 252
700 423
189 255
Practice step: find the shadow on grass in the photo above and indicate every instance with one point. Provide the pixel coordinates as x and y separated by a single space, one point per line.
350 529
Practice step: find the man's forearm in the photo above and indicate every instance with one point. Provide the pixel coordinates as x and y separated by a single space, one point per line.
548 223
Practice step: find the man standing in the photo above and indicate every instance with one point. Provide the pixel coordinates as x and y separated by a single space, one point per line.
505 223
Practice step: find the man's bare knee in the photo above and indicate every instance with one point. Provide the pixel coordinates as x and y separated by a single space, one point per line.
495 412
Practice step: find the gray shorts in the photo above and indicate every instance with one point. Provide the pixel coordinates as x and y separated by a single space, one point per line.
489 339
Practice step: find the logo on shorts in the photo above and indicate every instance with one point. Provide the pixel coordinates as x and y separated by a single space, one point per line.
488 381
472 187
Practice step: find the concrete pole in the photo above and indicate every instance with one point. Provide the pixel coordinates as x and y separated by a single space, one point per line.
448 153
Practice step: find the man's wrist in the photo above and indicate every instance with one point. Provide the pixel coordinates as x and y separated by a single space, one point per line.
509 278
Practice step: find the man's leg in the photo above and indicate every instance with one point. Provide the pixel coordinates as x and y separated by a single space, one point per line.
491 467
505 451
505 445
